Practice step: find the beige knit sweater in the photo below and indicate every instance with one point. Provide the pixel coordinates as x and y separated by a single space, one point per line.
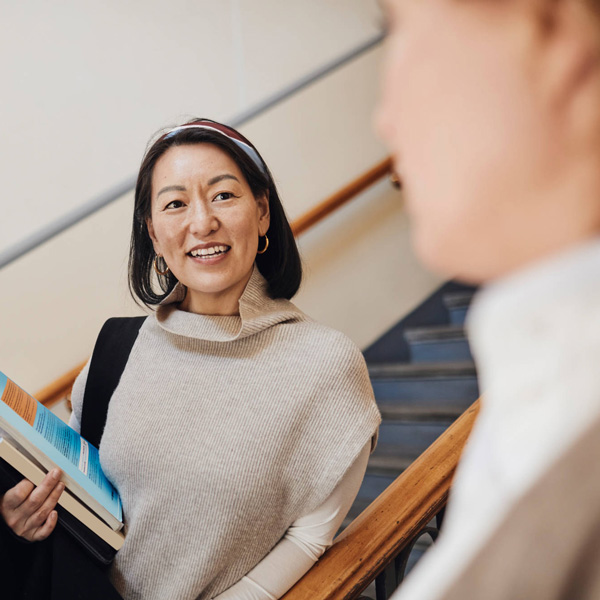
221 433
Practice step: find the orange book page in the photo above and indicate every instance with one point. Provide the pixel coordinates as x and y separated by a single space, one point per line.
22 403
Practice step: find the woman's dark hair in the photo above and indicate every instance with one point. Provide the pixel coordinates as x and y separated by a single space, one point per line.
280 265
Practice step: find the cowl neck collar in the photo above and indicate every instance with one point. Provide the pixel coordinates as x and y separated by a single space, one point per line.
258 311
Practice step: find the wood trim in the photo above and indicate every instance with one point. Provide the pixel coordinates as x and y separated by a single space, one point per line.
355 187
389 523
60 388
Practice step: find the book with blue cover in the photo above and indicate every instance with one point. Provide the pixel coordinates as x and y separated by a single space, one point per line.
44 438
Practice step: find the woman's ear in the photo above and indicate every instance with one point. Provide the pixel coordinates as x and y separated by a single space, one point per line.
264 214
150 228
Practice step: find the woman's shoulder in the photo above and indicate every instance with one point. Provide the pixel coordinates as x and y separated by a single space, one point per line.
330 344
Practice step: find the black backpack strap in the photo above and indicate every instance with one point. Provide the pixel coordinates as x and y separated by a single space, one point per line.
109 358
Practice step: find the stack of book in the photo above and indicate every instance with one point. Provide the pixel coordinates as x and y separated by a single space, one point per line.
33 441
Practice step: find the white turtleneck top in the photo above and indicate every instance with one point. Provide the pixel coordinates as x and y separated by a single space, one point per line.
535 337
229 438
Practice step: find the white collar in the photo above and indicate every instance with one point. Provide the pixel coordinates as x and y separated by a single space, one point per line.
535 337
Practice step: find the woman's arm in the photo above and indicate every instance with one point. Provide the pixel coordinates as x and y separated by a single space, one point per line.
303 544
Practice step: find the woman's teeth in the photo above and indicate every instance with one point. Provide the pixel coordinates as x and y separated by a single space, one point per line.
209 251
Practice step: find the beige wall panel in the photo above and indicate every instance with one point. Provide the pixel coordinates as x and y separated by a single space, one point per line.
84 85
55 299
322 137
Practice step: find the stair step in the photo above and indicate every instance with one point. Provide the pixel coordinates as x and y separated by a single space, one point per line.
460 299
407 439
395 370
373 485
440 343
435 333
457 304
458 316
432 311
419 410
388 465
413 383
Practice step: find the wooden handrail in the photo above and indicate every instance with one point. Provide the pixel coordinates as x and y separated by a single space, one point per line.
389 523
355 187
58 389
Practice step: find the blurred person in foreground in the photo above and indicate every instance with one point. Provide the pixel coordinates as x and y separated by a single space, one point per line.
492 112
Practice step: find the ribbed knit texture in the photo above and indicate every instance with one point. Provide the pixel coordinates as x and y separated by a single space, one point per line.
222 432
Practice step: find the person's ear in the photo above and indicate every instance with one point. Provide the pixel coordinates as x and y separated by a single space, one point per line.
264 214
569 35
152 234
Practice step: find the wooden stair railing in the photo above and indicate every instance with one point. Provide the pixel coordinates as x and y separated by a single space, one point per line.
390 523
355 187
60 388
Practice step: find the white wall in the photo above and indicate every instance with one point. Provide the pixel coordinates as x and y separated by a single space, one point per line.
85 84
361 275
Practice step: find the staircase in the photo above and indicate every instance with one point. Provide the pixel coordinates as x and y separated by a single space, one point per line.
424 378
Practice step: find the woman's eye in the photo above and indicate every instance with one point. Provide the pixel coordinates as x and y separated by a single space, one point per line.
224 196
174 204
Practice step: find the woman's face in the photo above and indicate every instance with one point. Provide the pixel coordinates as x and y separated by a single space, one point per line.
206 222
462 112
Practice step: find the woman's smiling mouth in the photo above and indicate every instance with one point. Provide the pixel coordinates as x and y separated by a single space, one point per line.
210 252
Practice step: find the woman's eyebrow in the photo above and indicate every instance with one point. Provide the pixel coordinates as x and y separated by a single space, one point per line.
221 177
171 188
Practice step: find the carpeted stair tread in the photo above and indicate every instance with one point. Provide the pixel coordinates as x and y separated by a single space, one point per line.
435 333
420 370
422 411
457 299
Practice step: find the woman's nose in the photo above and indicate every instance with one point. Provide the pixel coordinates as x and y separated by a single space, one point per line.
202 220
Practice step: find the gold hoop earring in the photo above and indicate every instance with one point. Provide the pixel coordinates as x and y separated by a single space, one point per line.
155 265
265 248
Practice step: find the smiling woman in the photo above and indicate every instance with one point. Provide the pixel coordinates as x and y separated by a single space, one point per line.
263 419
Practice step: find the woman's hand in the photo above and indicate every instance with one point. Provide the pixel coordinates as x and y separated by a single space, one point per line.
29 510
